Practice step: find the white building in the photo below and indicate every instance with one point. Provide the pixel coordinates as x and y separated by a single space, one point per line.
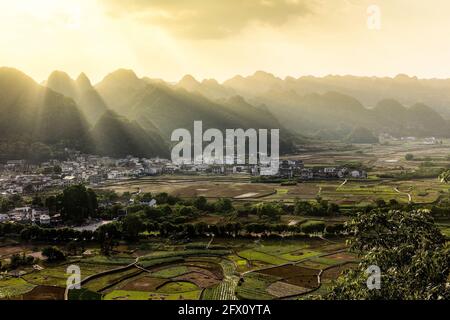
44 219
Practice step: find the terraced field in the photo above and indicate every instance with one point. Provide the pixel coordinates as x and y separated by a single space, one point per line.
249 270
226 289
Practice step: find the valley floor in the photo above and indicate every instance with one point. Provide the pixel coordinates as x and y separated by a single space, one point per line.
227 270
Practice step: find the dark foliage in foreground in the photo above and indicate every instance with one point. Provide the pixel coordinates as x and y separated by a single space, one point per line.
408 248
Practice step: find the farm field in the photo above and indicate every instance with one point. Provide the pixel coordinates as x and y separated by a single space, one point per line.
263 270
236 268
357 192
385 165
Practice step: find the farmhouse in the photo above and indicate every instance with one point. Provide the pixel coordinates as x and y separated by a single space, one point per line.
45 220
290 169
4 218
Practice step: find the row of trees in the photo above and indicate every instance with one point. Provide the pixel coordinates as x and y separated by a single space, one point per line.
319 208
135 224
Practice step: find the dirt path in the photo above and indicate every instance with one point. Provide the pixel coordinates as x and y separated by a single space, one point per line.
342 184
210 242
405 193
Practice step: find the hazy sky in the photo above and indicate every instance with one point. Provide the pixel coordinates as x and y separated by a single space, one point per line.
221 38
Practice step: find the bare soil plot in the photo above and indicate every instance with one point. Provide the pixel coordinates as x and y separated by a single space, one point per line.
334 272
213 269
281 289
145 284
342 256
289 271
209 272
45 293
226 190
201 280
309 281
9 250
295 275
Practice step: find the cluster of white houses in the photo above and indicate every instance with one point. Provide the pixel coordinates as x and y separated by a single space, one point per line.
18 177
32 215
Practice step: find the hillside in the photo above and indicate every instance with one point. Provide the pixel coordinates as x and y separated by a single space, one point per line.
159 107
334 106
116 136
368 90
81 91
125 114
34 113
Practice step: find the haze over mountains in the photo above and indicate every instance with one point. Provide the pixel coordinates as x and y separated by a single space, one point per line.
124 114
333 106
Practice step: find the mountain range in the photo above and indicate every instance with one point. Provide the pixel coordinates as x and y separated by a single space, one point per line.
127 115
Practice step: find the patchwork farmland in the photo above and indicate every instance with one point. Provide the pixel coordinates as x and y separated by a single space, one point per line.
267 270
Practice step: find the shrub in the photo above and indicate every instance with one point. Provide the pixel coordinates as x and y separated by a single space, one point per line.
53 254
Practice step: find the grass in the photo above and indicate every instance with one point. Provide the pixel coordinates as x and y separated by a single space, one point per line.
11 287
283 253
84 294
139 295
252 254
280 248
178 287
155 262
254 287
226 289
109 260
241 264
327 261
57 276
183 253
282 191
110 279
300 255
171 272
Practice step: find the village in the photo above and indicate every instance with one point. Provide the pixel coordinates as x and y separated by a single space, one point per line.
18 177
21 177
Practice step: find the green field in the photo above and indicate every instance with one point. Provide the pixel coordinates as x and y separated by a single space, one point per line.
137 295
10 287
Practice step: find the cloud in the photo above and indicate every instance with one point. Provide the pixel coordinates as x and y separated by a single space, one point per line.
208 19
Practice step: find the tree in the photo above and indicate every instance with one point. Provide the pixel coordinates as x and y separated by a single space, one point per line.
52 203
107 235
53 254
200 203
37 201
132 225
268 210
409 157
312 227
302 207
57 169
223 205
18 260
72 248
333 209
409 250
78 203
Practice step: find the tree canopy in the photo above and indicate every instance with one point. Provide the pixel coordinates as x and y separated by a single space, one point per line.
410 251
